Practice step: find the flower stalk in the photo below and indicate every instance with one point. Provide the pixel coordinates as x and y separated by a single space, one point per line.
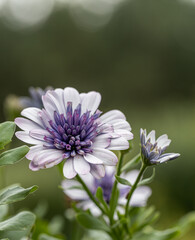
113 194
142 169
79 179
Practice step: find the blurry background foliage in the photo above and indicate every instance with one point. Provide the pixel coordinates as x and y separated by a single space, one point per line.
140 54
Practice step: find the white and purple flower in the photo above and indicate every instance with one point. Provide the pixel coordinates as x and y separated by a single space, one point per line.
35 98
71 127
74 191
152 150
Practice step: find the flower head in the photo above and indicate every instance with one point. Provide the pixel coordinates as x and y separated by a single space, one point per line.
35 99
153 150
70 127
139 198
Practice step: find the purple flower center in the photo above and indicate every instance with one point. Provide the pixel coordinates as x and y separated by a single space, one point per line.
73 133
106 183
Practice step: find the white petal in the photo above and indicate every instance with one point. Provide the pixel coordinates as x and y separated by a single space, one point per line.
140 196
46 159
164 143
56 99
112 115
151 136
120 124
82 96
59 93
54 162
71 95
45 118
114 135
143 136
120 209
81 166
49 105
122 200
95 211
89 181
102 141
98 171
68 169
92 159
118 144
108 157
110 170
105 128
71 190
39 134
26 124
131 176
141 131
33 114
124 133
91 102
34 167
33 151
161 140
48 156
168 157
24 136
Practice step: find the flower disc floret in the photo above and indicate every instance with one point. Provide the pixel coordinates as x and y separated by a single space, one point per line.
71 127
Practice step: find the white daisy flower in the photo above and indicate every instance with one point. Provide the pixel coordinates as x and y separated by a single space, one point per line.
152 150
71 127
73 190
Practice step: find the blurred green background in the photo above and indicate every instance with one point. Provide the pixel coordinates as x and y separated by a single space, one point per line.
139 54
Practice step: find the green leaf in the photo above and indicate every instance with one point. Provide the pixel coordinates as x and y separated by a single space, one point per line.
90 222
41 209
141 217
119 222
95 235
186 222
147 180
7 130
14 155
47 237
132 163
157 235
100 197
113 203
15 193
56 225
17 227
123 181
3 211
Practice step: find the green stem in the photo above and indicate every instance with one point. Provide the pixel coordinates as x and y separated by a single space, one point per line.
143 167
118 172
90 194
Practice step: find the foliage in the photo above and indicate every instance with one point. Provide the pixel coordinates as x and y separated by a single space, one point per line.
22 224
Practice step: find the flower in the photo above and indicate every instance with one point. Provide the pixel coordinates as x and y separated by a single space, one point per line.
70 127
35 99
152 150
73 190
